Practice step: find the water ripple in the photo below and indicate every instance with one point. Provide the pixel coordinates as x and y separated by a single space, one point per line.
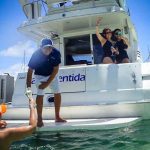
131 138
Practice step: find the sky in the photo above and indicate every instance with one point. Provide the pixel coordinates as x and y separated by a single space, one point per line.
13 43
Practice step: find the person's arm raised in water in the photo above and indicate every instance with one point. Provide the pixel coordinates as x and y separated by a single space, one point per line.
10 135
100 38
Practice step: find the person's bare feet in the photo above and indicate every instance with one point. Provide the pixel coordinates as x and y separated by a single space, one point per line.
60 120
40 123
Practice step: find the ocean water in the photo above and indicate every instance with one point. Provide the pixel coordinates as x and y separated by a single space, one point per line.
136 137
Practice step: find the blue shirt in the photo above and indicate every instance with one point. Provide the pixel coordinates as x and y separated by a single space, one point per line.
42 64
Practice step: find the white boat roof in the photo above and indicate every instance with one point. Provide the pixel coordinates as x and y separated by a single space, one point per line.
86 22
81 16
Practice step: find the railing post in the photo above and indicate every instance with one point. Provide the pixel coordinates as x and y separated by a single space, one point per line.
93 3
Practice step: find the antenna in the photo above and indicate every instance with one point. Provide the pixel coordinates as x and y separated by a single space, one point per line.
24 61
148 58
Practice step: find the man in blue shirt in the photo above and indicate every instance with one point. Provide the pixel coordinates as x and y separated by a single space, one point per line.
45 64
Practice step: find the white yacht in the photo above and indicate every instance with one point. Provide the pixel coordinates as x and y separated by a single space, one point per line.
94 95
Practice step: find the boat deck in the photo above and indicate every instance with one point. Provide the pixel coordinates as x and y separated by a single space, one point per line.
79 124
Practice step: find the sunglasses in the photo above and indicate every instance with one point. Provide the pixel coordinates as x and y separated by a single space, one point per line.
108 32
118 33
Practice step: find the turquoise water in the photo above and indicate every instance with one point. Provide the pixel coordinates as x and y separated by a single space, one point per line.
136 137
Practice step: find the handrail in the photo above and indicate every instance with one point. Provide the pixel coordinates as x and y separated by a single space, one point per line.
35 1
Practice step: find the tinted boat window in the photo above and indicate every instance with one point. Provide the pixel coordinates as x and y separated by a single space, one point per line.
78 50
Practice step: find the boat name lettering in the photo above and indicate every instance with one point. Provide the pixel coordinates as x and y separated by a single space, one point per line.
72 77
33 81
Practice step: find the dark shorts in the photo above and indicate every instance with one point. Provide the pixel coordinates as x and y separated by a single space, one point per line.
119 58
112 57
122 55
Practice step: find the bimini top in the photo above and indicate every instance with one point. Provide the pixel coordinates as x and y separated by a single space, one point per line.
35 9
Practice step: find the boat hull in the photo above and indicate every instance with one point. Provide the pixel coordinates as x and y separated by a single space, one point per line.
134 109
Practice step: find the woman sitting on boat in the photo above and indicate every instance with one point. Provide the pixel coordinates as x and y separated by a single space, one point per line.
121 45
105 38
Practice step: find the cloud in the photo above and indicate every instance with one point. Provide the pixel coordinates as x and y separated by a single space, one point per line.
18 49
14 69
